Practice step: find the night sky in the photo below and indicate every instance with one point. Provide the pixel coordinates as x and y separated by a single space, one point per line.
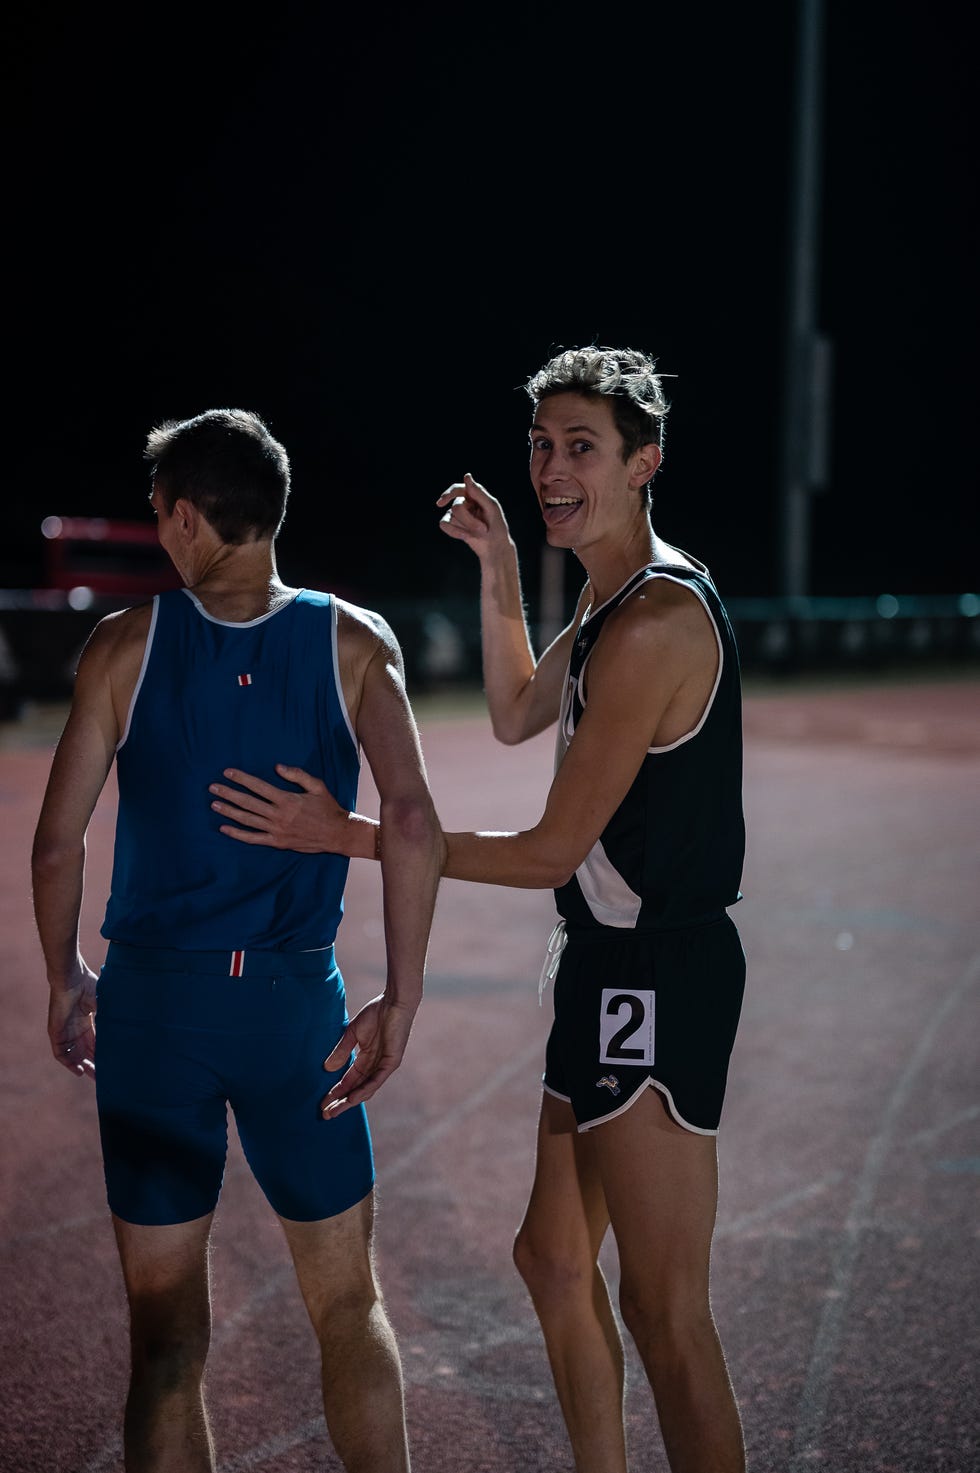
373 228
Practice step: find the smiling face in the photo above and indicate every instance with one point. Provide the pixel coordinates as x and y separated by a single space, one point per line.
585 489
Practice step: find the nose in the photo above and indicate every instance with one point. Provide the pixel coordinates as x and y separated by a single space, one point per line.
554 465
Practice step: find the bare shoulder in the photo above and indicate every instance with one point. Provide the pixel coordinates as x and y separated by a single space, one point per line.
365 643
659 650
112 658
361 633
118 640
660 617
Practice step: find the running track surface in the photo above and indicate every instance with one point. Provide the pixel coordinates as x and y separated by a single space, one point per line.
845 1260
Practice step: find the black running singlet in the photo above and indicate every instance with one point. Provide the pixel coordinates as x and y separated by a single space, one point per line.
671 855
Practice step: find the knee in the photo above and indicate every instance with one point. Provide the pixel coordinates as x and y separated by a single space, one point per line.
168 1360
347 1311
668 1320
166 1348
552 1271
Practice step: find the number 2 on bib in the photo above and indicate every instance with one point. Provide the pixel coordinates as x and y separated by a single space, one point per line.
626 1026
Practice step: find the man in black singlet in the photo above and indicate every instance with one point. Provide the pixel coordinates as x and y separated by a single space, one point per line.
642 839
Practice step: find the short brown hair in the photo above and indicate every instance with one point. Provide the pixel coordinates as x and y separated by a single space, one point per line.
227 464
623 375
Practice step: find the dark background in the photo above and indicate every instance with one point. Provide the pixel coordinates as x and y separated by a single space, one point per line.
372 225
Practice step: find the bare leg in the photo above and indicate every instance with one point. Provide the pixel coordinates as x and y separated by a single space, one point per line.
362 1380
661 1186
555 1252
166 1274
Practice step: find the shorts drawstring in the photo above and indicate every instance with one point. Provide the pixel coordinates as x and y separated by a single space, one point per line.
552 957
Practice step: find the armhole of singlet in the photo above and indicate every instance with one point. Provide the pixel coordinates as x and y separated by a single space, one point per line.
688 736
338 683
721 662
139 679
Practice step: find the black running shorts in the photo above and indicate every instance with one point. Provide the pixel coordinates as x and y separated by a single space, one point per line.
639 1008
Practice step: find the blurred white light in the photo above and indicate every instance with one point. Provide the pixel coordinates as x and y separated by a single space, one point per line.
51 527
887 606
80 598
844 941
970 605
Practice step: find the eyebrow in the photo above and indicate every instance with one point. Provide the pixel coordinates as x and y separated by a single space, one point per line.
568 429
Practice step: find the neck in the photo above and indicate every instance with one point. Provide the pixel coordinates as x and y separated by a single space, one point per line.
609 566
241 582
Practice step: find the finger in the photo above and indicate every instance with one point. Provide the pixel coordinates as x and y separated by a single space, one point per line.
249 836
465 516
242 816
347 1092
75 1059
255 784
341 1050
300 778
237 803
476 492
357 1096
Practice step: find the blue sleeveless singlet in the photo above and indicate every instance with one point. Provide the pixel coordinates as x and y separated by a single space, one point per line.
212 695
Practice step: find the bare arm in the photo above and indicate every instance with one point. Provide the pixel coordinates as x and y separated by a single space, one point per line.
411 863
644 662
649 678
78 773
523 694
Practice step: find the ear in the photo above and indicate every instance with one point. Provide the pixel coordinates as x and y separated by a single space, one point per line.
186 518
645 463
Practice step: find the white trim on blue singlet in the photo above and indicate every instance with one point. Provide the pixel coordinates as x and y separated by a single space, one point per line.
338 683
239 624
139 679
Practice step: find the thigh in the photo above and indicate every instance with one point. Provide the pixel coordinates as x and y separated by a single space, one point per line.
333 1256
310 1169
661 1188
161 1105
566 1212
165 1270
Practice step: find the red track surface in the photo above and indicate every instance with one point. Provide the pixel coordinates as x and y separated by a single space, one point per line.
847 1235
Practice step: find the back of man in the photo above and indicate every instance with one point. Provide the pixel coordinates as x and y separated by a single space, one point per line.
220 984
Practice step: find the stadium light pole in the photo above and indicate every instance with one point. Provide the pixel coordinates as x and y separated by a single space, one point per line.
807 353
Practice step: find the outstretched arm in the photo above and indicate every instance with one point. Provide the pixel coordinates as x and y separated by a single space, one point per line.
78 773
656 655
411 862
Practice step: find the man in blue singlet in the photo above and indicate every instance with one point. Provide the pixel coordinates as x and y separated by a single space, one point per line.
642 839
220 984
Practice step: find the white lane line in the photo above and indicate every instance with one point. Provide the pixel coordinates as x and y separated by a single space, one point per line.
777 1205
816 1389
263 1451
925 1137
471 1103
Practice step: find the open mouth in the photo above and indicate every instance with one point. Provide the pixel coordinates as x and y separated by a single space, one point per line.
558 509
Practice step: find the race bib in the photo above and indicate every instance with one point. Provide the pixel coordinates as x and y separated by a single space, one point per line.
626 1029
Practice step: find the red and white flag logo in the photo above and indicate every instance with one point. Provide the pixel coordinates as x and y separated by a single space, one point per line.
244 680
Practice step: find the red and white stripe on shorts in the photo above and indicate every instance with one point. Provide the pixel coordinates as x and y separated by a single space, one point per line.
237 964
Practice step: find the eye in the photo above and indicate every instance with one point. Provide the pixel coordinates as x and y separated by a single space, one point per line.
540 443
581 446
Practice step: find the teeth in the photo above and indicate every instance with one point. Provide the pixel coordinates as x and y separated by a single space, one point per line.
561 501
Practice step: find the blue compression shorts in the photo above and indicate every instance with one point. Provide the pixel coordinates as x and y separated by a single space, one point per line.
179 1039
